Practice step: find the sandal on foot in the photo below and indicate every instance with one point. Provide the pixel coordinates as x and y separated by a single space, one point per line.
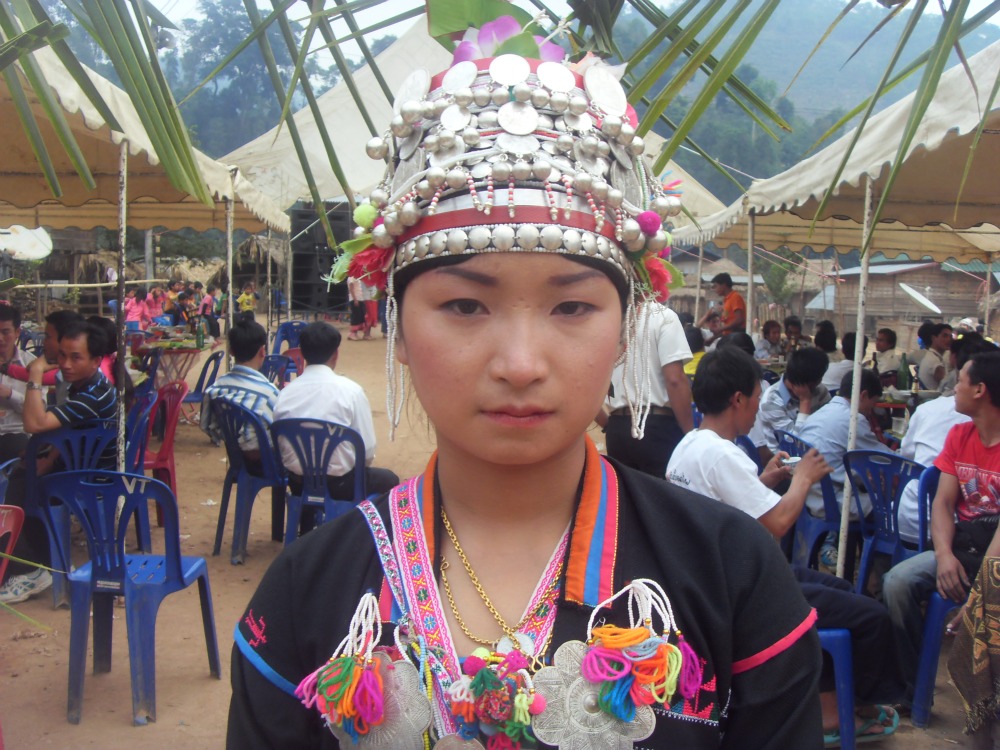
871 730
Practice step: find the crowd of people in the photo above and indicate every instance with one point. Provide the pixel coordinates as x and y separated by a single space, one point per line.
180 303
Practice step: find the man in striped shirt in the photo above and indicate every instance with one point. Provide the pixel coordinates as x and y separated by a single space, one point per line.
243 385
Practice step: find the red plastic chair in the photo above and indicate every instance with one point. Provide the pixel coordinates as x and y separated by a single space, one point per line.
161 461
11 520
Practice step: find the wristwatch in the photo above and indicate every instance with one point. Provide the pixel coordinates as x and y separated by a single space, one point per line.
34 386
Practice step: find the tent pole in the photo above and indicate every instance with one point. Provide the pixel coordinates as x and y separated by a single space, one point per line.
859 344
229 272
697 286
288 277
120 373
270 292
751 324
989 291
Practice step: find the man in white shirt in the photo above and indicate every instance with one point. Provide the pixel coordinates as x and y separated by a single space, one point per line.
837 370
13 438
320 393
886 358
934 366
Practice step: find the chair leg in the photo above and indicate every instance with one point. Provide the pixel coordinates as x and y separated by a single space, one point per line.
59 539
837 642
278 495
293 507
208 621
867 552
227 488
79 628
103 606
140 623
241 518
930 650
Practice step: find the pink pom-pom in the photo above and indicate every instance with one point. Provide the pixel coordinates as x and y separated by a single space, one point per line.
472 665
649 222
514 661
537 704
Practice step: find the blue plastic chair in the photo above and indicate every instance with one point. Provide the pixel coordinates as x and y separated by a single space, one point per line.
314 441
883 476
113 306
746 445
837 643
770 376
696 416
233 420
938 609
810 529
288 331
209 372
79 448
5 469
926 490
276 367
136 440
144 580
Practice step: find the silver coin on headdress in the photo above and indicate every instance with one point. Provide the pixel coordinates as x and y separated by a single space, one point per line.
414 88
455 742
580 123
604 89
627 181
556 77
508 70
518 144
447 155
518 118
621 153
455 117
406 146
407 169
481 170
459 76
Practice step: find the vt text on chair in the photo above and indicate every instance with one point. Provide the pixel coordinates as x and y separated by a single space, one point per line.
249 476
143 580
313 442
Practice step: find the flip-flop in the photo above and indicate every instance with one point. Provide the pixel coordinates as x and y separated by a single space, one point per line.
863 733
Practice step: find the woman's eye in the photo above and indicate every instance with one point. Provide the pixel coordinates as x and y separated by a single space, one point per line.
573 308
464 306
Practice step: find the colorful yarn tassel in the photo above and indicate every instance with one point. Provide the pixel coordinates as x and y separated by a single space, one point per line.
691 673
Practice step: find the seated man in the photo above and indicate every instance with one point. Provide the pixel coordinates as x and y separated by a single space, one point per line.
13 438
787 404
90 398
886 358
243 385
794 338
969 491
769 347
320 393
844 364
726 391
934 367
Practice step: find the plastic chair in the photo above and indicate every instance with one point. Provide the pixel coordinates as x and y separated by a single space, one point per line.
696 416
209 372
233 420
150 364
837 643
810 529
314 441
746 445
883 476
113 306
11 521
144 580
5 469
770 376
295 354
938 609
80 448
926 489
161 461
137 428
288 331
275 367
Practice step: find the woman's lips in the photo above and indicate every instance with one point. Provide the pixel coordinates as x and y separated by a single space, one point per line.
518 416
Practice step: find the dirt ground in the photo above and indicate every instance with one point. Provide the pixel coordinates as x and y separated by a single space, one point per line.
191 705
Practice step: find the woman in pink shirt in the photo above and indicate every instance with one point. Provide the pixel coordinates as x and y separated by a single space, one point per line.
154 303
136 310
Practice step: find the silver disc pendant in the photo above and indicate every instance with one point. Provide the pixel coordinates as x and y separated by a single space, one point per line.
527 646
626 180
605 90
446 156
621 154
459 76
414 88
454 742
508 70
405 147
518 118
518 144
580 123
556 77
455 117
407 170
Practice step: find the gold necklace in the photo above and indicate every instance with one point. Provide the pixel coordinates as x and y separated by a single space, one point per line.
454 610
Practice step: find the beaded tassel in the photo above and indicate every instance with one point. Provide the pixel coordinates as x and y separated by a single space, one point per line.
488 205
568 210
510 197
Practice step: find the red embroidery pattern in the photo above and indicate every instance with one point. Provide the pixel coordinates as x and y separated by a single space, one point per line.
256 628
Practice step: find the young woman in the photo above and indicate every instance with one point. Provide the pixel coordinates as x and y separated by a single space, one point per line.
524 591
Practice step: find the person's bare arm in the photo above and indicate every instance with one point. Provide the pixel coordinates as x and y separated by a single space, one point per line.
782 516
35 417
952 582
679 393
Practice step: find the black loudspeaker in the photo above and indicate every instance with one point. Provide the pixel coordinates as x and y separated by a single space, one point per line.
312 258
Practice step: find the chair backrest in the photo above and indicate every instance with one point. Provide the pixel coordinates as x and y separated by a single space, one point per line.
235 420
274 368
295 354
5 469
696 416
926 490
883 476
171 397
770 376
79 447
113 306
746 445
151 363
793 445
93 497
11 520
314 442
288 331
209 372
137 430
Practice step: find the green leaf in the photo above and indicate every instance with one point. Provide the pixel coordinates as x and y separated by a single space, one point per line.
355 245
523 44
447 17
34 38
7 284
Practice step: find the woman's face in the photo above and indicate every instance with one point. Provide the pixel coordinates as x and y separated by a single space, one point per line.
511 354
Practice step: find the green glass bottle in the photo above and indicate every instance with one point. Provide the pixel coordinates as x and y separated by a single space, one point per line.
903 379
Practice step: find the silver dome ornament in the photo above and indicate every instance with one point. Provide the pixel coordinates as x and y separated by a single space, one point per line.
424 190
657 242
660 205
501 170
559 101
522 92
600 190
588 243
481 96
488 119
381 237
631 230
637 146
540 97
604 246
427 109
673 205
458 241
565 143
409 213
603 149
456 178
440 105
541 169
411 111
551 237
611 126
438 242
583 182
399 127
521 170
421 246
471 137
545 122
435 176
578 104
615 198
377 148
527 236
636 245
572 241
446 139
480 238
463 97
379 198
626 134
503 237
500 96
392 223
589 145
358 231
431 143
